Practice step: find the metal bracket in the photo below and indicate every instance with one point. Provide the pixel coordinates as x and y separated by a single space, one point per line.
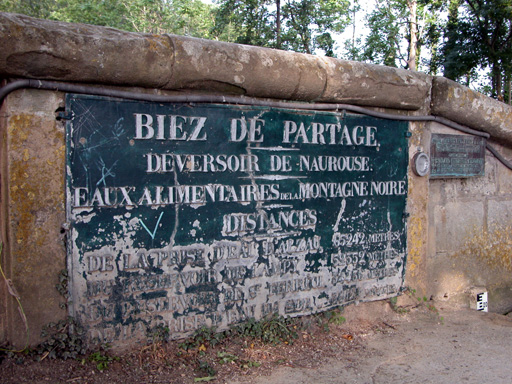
64 116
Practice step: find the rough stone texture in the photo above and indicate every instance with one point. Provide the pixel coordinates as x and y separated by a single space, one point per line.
33 208
464 106
460 189
452 226
499 211
459 210
417 225
503 179
43 49
500 299
83 53
374 85
77 52
245 69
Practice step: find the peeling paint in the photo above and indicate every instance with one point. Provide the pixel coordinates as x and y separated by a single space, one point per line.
258 228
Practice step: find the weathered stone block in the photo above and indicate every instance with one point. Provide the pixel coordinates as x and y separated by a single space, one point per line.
454 220
84 53
375 85
46 49
503 174
33 205
464 106
244 69
472 187
499 212
500 299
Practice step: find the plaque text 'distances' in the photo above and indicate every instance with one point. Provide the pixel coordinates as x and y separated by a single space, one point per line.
189 216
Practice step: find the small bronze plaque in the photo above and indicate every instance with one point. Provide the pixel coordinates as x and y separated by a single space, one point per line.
457 156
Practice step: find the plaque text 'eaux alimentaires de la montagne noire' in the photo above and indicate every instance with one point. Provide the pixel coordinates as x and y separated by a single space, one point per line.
185 216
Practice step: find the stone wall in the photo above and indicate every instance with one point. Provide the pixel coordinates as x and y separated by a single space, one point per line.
443 213
469 225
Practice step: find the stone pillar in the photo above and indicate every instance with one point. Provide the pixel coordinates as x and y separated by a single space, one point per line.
32 211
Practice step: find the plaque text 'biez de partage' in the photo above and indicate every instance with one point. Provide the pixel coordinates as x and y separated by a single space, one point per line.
187 216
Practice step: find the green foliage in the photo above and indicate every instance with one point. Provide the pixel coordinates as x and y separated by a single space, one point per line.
203 336
335 317
62 286
386 23
207 368
245 22
478 36
390 38
101 359
310 23
394 305
273 330
36 8
185 17
226 358
204 379
158 334
64 339
246 364
422 302
298 25
331 317
105 13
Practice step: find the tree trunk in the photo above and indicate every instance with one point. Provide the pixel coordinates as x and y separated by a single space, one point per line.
278 24
509 90
497 81
453 17
413 42
353 31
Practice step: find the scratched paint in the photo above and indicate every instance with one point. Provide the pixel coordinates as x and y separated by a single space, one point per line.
205 215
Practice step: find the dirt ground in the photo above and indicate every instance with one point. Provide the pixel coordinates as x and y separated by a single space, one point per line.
463 346
377 344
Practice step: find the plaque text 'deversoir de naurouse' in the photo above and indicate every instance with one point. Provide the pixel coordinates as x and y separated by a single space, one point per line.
184 216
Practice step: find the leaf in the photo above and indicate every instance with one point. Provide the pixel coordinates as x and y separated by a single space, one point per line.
348 337
207 378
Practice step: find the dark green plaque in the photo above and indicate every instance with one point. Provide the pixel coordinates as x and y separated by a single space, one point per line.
457 156
186 216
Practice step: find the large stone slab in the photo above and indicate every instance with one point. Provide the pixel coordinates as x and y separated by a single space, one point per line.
46 49
365 84
467 107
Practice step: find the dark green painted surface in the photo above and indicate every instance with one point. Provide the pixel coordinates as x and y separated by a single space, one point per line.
210 214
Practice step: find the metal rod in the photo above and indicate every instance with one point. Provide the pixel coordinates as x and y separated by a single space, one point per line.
241 100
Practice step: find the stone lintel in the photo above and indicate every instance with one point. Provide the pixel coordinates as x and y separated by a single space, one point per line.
51 50
473 109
